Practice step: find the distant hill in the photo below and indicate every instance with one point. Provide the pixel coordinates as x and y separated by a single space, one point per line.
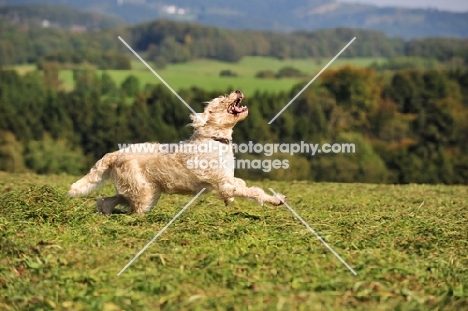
51 16
163 42
280 15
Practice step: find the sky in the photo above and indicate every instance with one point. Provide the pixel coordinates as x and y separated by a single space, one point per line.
446 5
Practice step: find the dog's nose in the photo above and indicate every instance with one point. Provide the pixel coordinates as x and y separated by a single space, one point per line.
239 94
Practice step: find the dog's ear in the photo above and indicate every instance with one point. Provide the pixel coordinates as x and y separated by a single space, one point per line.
198 120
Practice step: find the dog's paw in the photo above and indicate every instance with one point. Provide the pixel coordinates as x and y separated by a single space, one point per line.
102 207
280 199
74 191
227 201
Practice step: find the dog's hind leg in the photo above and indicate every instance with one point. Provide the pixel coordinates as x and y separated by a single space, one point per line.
155 199
239 183
228 201
107 205
146 199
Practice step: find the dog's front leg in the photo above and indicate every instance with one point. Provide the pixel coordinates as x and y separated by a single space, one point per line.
238 188
239 184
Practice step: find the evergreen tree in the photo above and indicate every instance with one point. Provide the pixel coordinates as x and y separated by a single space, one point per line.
131 86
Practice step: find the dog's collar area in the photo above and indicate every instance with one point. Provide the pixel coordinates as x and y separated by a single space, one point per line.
222 140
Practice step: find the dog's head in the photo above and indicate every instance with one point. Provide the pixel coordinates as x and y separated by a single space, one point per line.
222 113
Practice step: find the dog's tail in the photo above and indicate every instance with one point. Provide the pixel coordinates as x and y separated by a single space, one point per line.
95 178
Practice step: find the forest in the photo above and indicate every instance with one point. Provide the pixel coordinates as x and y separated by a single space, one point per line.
409 126
166 42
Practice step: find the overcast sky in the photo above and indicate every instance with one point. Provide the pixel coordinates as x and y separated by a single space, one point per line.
448 5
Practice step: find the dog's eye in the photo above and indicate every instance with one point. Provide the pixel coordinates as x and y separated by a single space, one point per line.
210 111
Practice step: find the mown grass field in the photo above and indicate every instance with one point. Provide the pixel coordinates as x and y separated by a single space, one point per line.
205 73
408 244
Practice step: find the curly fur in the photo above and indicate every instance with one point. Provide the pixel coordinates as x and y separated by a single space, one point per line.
141 178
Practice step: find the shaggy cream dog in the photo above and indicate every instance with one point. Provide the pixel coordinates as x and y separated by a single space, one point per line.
142 172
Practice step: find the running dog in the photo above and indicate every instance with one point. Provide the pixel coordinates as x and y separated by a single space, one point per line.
141 177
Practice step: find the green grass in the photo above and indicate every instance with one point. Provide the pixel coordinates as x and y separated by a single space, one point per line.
205 73
250 65
407 243
186 80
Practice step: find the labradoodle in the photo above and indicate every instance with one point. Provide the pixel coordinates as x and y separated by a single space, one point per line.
142 172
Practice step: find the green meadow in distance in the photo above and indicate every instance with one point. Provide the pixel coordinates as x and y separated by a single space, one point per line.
205 73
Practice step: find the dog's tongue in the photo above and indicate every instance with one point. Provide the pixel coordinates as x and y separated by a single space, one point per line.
238 109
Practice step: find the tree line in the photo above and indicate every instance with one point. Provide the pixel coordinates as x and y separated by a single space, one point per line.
166 42
408 127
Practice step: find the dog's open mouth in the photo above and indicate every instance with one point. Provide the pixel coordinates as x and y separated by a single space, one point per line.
234 108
